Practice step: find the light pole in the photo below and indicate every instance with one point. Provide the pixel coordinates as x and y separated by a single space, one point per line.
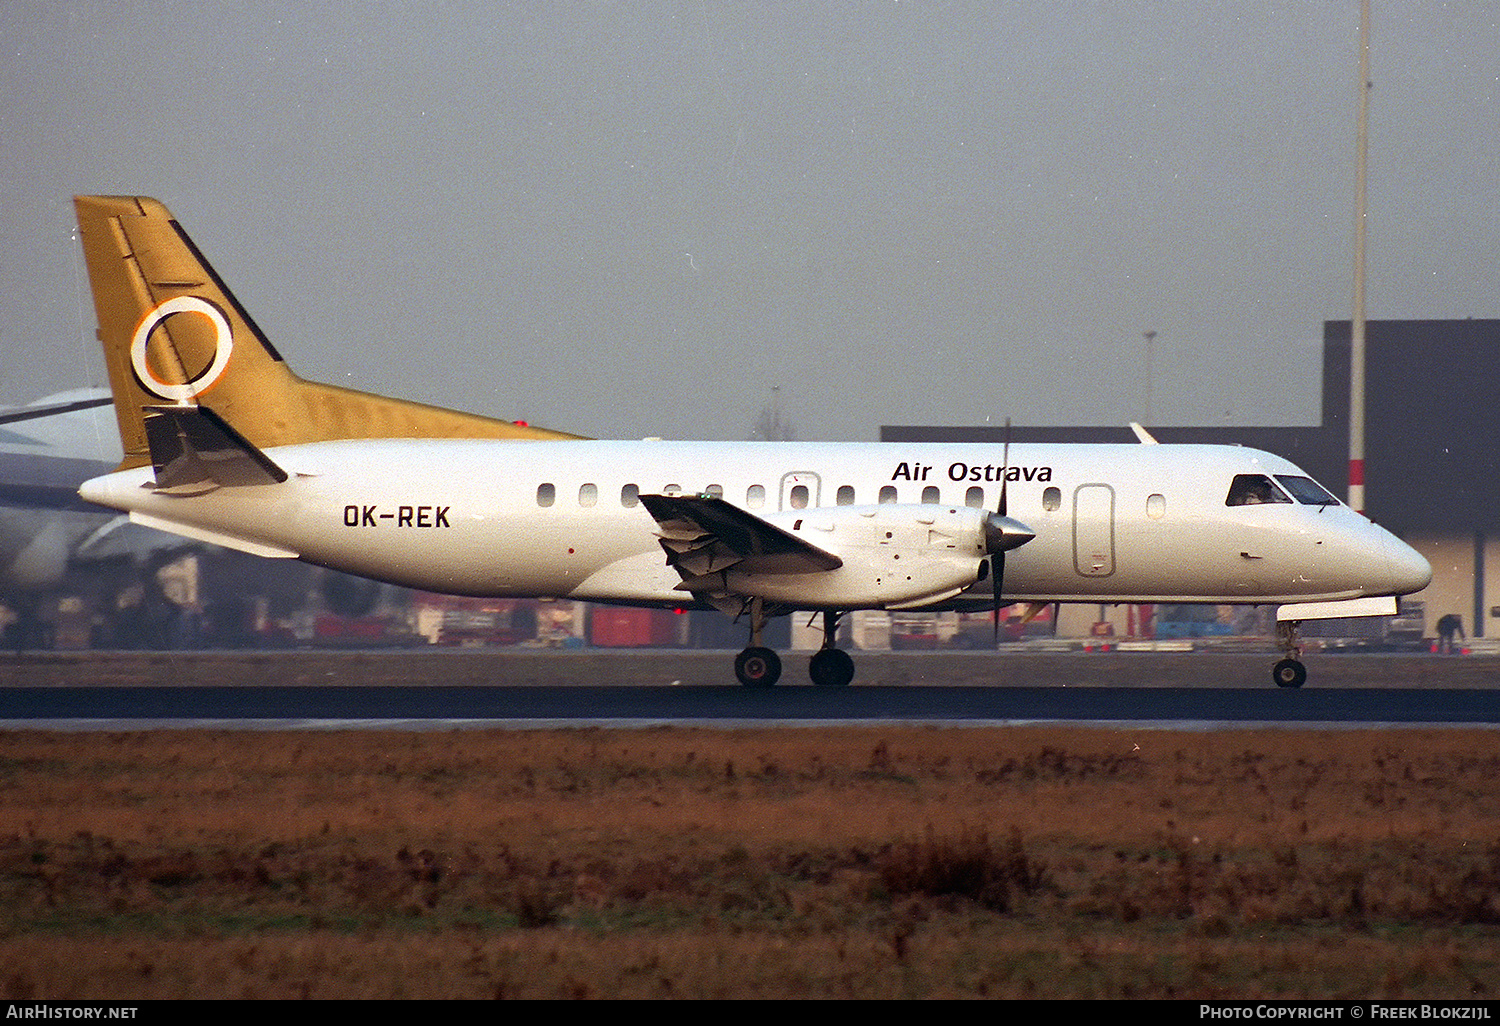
1357 322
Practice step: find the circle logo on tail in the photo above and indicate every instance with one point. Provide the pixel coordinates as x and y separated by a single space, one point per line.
223 346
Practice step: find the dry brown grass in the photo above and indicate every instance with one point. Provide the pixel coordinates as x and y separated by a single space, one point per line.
867 862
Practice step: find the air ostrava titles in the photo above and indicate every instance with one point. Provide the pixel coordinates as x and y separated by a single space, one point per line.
973 472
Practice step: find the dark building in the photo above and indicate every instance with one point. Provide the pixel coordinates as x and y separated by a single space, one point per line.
1432 445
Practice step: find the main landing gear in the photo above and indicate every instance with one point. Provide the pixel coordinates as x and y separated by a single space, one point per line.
830 667
1289 672
757 666
760 667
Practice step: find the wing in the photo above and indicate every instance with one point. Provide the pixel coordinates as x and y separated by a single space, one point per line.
705 536
44 408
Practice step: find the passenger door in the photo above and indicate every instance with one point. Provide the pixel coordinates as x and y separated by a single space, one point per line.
1094 530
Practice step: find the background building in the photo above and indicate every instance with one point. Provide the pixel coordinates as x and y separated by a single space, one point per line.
1432 464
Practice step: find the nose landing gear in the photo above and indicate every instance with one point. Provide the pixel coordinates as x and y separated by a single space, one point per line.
1289 672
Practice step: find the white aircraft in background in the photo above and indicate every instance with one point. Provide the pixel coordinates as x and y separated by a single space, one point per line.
224 444
48 449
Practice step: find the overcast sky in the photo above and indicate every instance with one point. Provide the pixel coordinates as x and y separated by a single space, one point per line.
630 219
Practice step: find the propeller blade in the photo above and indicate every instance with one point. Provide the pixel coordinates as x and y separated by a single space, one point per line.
996 542
1004 469
997 571
1001 534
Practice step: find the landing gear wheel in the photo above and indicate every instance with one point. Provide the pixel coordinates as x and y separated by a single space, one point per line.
831 668
757 667
1289 673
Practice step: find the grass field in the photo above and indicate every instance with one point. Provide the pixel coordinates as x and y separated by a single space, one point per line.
849 862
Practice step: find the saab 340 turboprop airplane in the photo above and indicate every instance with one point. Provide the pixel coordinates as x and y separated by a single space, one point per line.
224 444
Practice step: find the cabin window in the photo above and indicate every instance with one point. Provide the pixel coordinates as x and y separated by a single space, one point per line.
798 497
845 496
630 496
714 491
974 497
887 495
1156 506
755 496
588 494
1051 499
931 495
1253 490
546 494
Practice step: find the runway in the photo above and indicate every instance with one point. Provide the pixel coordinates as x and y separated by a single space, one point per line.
426 690
445 707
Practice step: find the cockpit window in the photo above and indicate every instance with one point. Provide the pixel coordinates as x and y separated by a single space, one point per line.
1252 490
1307 491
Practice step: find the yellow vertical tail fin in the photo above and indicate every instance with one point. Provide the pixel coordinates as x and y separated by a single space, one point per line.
172 331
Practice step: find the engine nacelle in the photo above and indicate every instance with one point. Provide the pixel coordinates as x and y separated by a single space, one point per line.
895 556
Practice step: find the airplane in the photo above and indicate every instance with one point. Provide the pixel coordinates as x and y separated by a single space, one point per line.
46 452
224 444
47 449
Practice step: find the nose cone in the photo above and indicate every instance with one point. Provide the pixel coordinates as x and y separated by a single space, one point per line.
1409 570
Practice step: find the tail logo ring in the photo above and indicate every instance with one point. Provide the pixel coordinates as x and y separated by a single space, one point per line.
223 347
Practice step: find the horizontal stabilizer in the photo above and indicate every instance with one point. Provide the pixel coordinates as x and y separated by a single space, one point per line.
212 537
193 446
125 538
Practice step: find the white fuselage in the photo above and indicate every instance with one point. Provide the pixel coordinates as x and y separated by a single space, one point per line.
558 518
